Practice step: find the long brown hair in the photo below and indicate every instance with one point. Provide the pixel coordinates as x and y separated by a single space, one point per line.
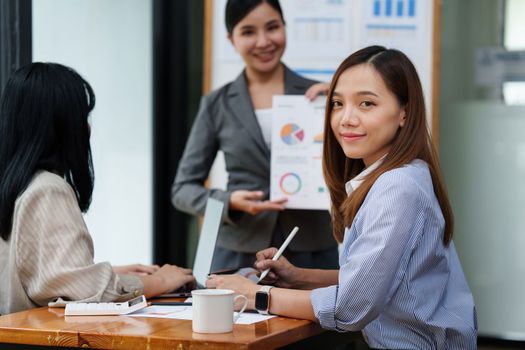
412 141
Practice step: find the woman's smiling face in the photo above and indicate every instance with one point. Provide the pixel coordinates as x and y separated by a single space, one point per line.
260 38
366 115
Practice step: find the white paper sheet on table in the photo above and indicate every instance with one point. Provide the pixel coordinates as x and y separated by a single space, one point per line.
185 313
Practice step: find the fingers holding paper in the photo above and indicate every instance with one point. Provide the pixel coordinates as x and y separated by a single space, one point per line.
316 90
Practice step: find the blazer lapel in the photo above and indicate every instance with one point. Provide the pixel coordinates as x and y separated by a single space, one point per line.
240 105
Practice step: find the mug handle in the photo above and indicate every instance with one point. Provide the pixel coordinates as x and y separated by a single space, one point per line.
235 318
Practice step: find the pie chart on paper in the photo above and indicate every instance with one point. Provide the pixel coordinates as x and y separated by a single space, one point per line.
292 134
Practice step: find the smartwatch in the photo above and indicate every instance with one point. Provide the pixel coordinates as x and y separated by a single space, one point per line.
262 300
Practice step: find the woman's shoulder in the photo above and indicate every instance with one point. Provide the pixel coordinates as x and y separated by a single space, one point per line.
234 86
304 80
218 95
416 169
46 182
47 179
213 94
296 82
413 177
45 193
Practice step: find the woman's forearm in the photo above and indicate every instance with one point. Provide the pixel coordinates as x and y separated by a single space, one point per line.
291 303
316 278
153 285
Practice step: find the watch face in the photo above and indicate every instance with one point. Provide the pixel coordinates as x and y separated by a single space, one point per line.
261 301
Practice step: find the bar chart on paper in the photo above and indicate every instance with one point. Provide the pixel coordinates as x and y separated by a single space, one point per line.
392 15
398 8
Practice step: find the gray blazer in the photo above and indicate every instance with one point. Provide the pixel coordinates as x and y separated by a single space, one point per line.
226 121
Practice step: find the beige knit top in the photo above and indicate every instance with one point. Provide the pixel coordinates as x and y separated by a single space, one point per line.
49 254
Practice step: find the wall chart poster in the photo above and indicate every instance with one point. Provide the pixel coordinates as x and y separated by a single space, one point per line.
297 145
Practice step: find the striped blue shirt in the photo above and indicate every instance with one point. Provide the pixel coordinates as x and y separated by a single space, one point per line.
398 283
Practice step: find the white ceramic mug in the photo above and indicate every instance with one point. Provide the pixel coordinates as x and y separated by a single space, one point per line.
213 310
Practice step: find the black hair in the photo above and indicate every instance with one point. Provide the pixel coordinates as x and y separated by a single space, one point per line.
44 126
236 10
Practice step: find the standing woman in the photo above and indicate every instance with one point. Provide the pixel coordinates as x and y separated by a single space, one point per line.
400 280
46 182
236 119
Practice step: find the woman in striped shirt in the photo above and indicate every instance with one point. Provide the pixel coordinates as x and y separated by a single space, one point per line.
46 182
400 281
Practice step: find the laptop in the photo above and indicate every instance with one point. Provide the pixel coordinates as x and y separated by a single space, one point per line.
207 240
205 247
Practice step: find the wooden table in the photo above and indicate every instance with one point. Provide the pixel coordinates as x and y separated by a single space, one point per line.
48 327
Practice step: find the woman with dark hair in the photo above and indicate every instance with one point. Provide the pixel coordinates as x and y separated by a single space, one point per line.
236 119
400 281
46 182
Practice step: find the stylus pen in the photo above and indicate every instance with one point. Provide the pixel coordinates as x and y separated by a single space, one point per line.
170 303
280 251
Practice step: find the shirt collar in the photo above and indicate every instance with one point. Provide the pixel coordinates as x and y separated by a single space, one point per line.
354 183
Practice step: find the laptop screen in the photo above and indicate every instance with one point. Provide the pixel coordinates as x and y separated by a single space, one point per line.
207 240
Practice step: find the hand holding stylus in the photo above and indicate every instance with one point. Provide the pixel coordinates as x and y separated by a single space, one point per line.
280 251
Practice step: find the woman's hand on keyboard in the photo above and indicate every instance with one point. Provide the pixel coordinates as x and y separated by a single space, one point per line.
167 279
136 269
